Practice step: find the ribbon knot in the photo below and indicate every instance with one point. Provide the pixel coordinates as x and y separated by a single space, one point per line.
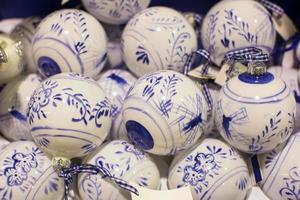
68 173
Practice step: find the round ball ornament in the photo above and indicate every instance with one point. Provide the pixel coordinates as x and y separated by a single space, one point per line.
27 173
157 38
69 40
116 83
3 143
255 111
232 25
14 99
114 12
281 171
165 112
24 32
11 58
69 115
123 161
212 169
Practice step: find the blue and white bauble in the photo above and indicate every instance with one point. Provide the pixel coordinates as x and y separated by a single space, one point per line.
69 40
280 170
14 99
165 112
232 25
3 143
255 112
123 161
27 173
157 38
212 169
24 32
114 11
116 83
69 115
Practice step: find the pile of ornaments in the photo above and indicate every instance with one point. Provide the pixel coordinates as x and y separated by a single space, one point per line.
106 87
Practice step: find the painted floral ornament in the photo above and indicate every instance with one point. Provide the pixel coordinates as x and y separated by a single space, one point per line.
122 160
11 58
27 173
212 169
114 11
14 99
165 112
157 38
69 40
69 115
281 171
255 111
24 32
116 83
231 25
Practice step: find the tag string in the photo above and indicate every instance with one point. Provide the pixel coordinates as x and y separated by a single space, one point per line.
68 173
276 10
187 67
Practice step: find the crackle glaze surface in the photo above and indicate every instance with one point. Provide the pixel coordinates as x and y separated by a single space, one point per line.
236 24
157 38
124 161
69 115
165 112
69 40
212 169
27 173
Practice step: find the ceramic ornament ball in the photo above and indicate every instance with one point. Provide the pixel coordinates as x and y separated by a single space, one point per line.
3 143
69 40
69 115
157 38
24 32
11 58
114 11
14 99
116 83
231 25
165 112
212 169
256 111
27 173
123 161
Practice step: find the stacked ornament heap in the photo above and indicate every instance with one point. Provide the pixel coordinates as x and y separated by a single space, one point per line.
82 122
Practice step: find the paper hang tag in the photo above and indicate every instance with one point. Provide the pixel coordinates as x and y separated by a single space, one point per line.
285 26
226 73
175 194
197 73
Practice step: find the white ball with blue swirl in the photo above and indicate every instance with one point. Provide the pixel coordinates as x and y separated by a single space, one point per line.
123 161
255 112
69 40
14 99
212 169
165 112
281 171
114 11
116 83
69 115
157 38
231 25
27 173
24 32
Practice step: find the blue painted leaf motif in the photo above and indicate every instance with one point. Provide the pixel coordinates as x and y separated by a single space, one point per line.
291 188
242 183
143 181
240 26
211 32
92 187
100 111
153 80
88 147
78 101
43 142
57 29
142 55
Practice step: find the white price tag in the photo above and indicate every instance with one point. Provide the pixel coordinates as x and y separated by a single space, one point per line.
64 1
175 194
285 27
